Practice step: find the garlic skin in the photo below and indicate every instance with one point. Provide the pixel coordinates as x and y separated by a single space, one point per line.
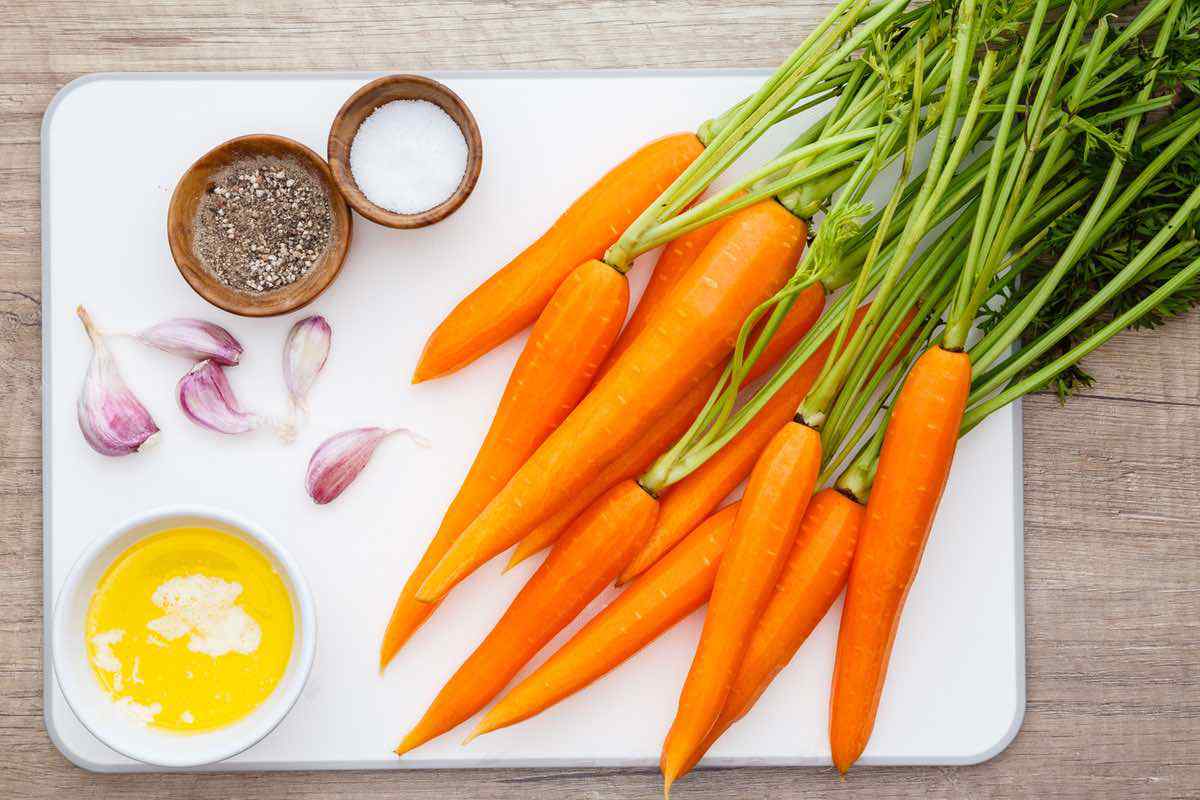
304 354
113 421
207 399
194 339
340 458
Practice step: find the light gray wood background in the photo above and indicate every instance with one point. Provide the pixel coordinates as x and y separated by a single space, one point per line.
1112 530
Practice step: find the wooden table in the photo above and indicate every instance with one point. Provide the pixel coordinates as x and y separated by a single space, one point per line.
1112 531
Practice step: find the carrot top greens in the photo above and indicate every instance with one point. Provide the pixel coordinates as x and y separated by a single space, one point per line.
1060 197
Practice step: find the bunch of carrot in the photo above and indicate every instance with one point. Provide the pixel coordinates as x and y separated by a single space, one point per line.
549 442
617 448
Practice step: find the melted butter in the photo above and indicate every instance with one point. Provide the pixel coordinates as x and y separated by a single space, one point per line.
190 629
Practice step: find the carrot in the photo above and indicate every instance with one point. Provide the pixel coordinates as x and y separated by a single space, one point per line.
669 427
512 298
676 258
752 255
914 464
672 589
768 519
685 503
688 502
568 342
587 559
813 578
627 466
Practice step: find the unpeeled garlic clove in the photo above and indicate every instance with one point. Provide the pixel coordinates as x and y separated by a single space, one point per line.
194 339
340 458
112 420
207 399
304 354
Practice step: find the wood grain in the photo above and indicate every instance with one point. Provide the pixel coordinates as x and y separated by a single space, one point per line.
1112 533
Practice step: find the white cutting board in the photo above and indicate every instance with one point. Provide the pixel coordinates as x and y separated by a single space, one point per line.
113 147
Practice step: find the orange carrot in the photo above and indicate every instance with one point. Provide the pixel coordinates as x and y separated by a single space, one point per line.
587 559
685 504
918 449
512 298
627 466
814 576
669 427
568 343
675 587
689 335
676 258
768 519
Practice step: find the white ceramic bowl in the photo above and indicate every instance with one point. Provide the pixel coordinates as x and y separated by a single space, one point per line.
119 730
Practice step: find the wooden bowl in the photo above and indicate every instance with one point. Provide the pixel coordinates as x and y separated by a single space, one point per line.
361 105
181 219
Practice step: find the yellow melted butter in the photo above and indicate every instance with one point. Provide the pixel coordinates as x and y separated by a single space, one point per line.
188 690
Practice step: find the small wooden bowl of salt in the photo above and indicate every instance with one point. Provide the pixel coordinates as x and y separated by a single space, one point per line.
405 151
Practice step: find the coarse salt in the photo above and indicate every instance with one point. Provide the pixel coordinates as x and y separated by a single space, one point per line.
408 156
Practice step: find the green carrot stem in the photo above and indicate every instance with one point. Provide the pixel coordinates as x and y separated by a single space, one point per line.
809 65
958 329
1102 214
1000 339
839 433
924 287
1098 299
1073 356
806 74
943 164
996 235
907 354
719 205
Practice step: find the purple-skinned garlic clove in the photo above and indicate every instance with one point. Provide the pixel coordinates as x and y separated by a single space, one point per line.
112 419
194 339
207 399
340 458
304 354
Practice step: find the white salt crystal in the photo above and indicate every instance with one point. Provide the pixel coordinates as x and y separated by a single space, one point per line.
408 156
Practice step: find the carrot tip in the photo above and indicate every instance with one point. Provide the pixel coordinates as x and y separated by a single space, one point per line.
473 735
628 575
667 781
427 593
411 742
386 654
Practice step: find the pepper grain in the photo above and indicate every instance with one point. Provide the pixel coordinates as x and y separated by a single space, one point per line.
262 224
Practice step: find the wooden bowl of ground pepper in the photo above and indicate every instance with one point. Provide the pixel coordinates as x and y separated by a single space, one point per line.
257 226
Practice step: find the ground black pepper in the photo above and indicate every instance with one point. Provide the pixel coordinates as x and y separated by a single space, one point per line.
263 224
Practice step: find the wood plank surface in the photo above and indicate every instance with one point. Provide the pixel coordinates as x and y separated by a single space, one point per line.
1112 529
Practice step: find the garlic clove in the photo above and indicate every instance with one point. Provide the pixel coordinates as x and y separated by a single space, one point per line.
340 458
112 419
304 354
207 399
195 339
